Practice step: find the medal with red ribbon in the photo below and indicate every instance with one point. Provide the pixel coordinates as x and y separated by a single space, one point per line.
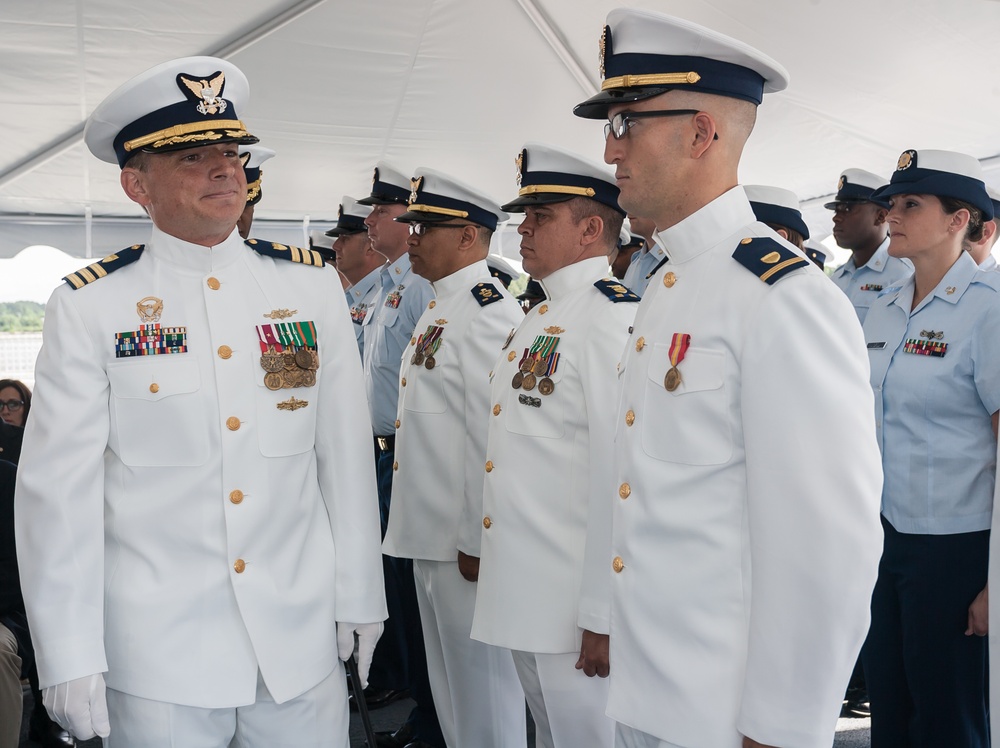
678 347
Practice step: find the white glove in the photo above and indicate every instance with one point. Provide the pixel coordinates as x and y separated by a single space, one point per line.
368 635
79 706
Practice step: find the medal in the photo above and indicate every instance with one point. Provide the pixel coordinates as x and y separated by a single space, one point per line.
678 348
517 380
429 363
302 359
528 383
546 386
418 358
273 381
540 367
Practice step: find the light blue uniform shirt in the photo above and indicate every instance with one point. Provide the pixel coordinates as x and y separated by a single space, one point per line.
643 263
932 412
402 298
361 297
863 284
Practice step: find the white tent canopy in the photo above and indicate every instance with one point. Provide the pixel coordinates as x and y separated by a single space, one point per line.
459 85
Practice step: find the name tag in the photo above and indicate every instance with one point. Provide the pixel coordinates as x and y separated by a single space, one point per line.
876 346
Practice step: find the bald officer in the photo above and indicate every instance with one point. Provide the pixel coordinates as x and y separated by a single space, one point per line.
357 261
859 225
442 419
550 433
196 521
742 561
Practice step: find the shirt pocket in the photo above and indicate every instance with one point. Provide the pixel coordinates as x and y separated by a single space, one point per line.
542 416
158 417
690 425
286 418
425 390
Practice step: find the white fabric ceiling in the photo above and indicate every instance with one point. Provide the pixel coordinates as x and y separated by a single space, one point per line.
459 85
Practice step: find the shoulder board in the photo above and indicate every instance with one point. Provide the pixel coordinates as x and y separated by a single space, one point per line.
767 259
615 291
109 264
285 252
486 293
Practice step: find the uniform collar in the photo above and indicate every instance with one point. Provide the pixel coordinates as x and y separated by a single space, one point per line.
879 260
990 263
708 226
195 257
461 279
393 274
565 281
364 286
950 289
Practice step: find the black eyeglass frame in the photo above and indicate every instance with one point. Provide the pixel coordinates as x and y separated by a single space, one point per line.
420 228
620 130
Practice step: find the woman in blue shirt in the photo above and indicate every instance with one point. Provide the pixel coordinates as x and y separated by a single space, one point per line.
934 347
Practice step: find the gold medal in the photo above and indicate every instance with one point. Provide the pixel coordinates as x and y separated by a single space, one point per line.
528 383
271 362
546 386
272 380
313 360
308 378
418 358
540 367
302 358
516 381
288 378
526 365
673 379
288 361
429 363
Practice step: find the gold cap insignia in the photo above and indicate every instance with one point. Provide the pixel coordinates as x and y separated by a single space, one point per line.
149 309
603 48
906 160
208 93
340 213
520 160
841 183
415 188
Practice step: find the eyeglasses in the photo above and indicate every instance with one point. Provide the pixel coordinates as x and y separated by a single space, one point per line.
12 405
619 124
419 229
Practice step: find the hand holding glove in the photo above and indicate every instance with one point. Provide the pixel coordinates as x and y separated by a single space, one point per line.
80 706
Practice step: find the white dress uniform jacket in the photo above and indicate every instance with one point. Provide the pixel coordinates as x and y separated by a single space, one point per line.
361 297
177 528
443 416
863 284
548 473
743 560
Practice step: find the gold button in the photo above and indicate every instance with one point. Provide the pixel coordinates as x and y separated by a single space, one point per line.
233 423
236 496
413 341
618 564
154 388
630 418
213 283
489 466
640 343
746 241
543 308
669 280
395 466
624 490
496 409
225 351
487 522
511 356
403 382
240 565
432 304
397 423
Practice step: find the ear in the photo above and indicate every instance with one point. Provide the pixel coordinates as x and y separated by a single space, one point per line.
134 184
880 215
469 238
782 233
704 134
959 220
989 231
593 230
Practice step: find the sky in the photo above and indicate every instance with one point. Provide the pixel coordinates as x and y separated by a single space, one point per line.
34 272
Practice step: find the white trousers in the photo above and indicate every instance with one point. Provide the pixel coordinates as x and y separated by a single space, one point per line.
567 706
316 719
477 696
629 737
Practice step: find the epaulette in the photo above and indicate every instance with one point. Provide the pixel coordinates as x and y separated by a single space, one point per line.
615 291
767 259
284 252
486 293
109 264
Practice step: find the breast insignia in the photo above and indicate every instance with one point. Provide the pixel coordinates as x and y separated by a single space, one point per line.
286 252
486 293
109 264
767 259
615 291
